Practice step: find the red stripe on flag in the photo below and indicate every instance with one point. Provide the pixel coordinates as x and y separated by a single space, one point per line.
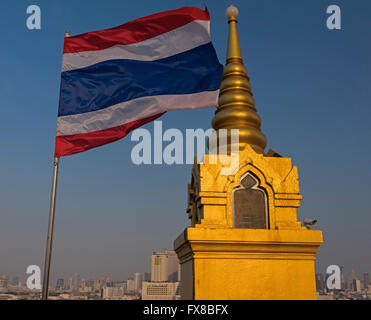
71 144
135 31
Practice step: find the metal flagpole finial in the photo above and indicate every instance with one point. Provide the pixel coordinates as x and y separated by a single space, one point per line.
67 33
231 13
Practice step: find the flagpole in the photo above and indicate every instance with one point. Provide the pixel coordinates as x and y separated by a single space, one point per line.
49 243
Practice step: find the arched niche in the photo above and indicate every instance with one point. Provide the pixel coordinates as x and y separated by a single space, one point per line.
250 204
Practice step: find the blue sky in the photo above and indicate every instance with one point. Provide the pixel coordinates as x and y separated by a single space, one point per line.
312 89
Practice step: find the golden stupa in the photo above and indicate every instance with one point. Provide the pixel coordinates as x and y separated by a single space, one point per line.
245 241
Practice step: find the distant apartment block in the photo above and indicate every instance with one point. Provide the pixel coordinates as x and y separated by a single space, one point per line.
161 291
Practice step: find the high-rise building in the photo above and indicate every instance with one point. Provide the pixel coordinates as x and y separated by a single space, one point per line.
159 267
147 276
356 285
124 286
173 266
60 284
366 280
320 282
70 283
342 281
138 279
351 277
76 281
164 266
130 286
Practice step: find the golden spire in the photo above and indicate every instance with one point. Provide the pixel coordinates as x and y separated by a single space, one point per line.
236 105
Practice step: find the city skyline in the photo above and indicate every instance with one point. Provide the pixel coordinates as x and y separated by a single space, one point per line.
103 226
161 284
148 272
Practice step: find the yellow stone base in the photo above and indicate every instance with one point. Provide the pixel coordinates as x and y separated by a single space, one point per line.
247 264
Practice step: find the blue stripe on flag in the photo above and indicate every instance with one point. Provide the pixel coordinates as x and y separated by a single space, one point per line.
114 81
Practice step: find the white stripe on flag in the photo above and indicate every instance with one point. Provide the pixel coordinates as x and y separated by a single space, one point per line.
182 39
132 110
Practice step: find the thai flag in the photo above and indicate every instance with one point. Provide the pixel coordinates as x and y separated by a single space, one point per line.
118 79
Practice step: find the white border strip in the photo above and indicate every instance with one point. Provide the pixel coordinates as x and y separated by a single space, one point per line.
182 39
132 110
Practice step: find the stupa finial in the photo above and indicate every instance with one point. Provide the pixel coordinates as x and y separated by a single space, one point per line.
236 104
